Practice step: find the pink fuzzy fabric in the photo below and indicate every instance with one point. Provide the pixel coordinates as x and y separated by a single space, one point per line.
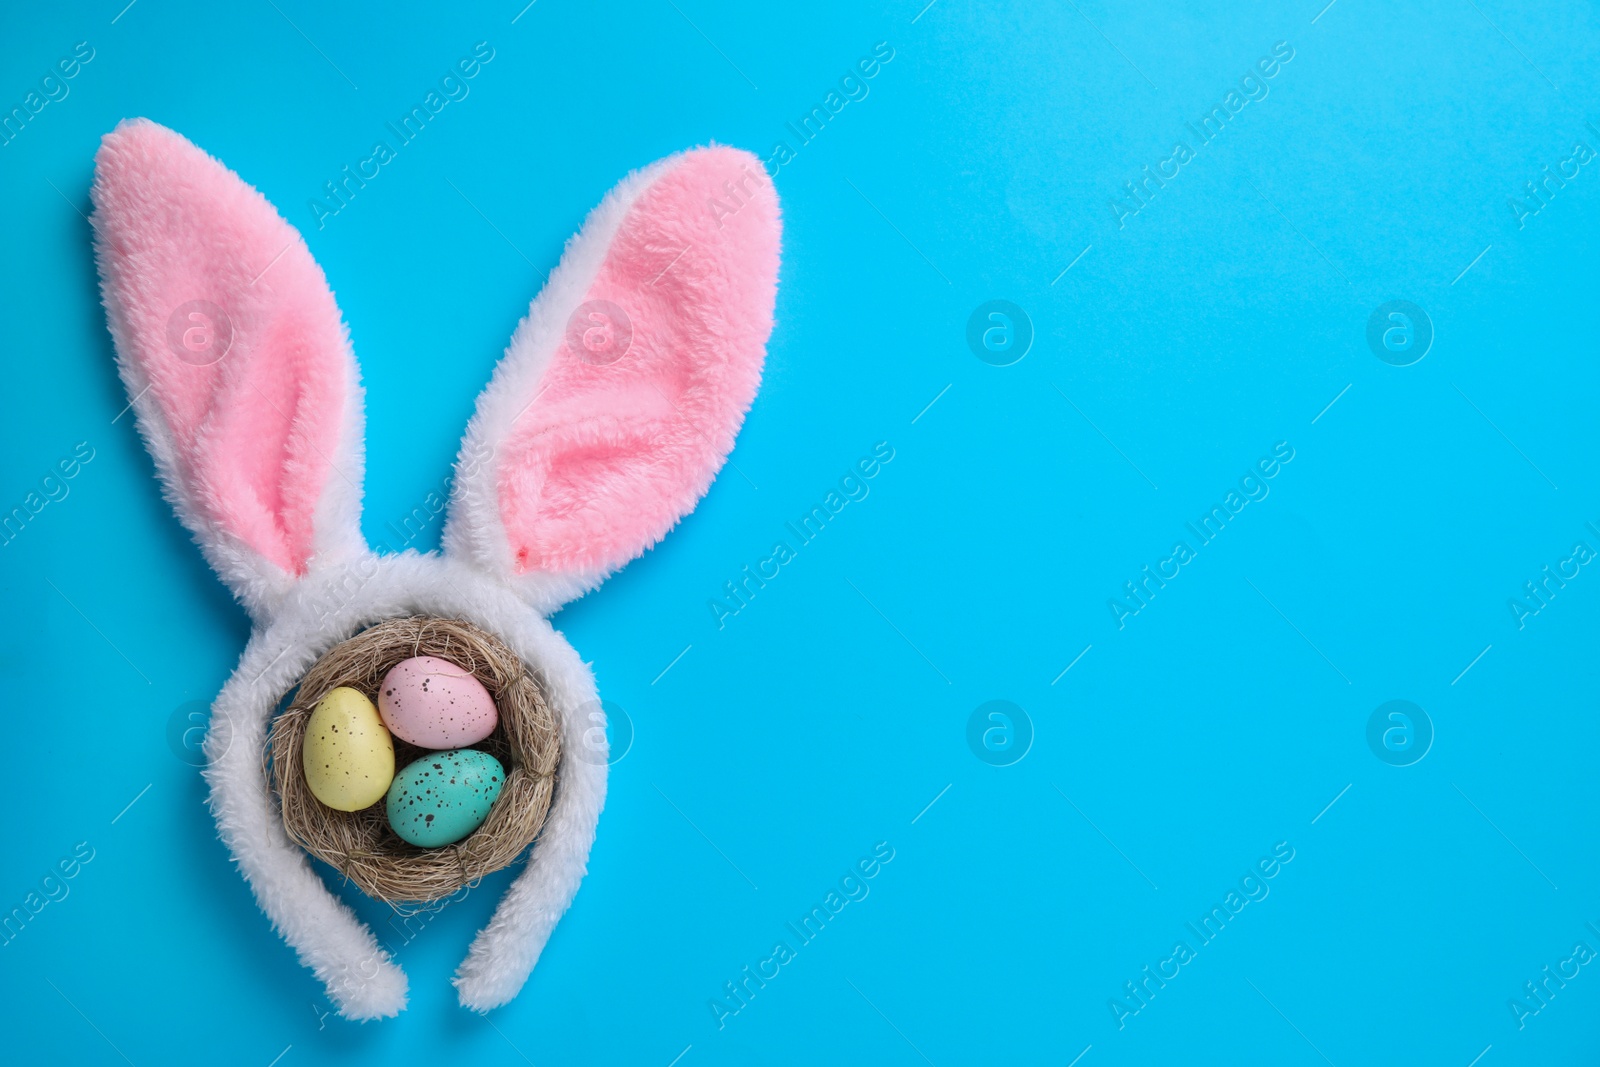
254 432
606 457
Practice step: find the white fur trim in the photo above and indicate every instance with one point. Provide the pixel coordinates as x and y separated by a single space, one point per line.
331 604
474 530
336 524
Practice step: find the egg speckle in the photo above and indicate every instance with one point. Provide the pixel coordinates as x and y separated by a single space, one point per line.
434 703
427 810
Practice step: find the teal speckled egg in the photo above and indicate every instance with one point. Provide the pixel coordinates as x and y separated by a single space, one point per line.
443 797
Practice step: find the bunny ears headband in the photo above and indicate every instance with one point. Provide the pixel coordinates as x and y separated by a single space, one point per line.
613 408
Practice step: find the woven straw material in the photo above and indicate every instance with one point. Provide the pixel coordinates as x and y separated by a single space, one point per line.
360 844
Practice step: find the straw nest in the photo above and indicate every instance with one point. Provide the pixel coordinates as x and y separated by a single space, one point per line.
360 844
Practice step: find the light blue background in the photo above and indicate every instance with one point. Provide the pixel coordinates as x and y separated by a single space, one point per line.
822 719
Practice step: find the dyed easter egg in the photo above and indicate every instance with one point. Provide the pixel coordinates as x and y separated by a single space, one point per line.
443 797
433 703
347 754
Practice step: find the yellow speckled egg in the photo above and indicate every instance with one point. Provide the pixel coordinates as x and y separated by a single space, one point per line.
348 754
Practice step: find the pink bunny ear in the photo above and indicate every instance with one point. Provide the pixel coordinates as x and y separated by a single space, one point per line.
232 348
623 388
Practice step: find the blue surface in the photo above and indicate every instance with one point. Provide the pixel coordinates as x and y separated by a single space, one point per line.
1229 715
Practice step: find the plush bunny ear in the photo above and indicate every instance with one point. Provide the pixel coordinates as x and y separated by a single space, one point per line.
232 349
623 388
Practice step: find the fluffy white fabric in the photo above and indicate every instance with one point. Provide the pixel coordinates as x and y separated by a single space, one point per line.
360 977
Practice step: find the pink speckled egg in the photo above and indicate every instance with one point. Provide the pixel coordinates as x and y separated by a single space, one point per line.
435 704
